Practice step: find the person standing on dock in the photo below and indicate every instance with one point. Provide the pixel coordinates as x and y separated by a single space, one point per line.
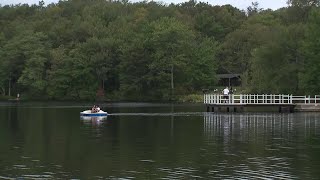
225 94
230 94
230 90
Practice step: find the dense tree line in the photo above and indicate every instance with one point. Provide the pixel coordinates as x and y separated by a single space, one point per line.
79 49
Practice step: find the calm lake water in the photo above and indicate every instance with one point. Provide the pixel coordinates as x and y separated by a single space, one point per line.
155 141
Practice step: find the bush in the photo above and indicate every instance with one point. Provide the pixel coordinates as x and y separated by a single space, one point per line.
5 98
191 98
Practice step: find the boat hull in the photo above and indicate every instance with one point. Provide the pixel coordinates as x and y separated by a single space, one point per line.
90 114
93 118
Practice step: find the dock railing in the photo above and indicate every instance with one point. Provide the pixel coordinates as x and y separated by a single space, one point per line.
260 99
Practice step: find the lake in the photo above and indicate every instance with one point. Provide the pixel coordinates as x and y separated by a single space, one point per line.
155 141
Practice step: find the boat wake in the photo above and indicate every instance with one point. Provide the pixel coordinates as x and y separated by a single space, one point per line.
160 114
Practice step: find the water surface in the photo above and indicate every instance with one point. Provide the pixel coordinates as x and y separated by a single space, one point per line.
155 141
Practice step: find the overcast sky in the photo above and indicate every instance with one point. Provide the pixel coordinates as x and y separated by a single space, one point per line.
241 4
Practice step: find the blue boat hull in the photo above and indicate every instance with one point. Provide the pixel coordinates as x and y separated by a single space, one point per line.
94 114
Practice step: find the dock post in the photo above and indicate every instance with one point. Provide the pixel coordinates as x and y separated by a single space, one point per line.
232 97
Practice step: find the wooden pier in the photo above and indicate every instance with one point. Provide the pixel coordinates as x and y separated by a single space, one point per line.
261 103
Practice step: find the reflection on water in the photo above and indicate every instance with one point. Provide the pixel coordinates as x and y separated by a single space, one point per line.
94 125
95 119
260 124
277 142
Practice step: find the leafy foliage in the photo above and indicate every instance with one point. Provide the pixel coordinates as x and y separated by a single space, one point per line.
152 51
310 76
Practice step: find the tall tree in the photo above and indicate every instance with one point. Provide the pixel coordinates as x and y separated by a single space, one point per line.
299 10
33 76
253 9
3 75
303 3
310 77
24 60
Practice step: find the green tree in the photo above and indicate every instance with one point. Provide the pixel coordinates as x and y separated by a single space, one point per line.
23 61
310 77
202 64
276 64
253 9
299 10
3 75
235 51
71 76
170 41
33 76
152 51
303 3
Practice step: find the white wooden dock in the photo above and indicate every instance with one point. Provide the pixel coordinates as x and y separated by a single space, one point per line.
279 102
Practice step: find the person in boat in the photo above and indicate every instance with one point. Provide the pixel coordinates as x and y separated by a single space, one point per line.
94 109
97 108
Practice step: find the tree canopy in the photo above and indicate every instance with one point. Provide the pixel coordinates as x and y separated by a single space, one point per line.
78 50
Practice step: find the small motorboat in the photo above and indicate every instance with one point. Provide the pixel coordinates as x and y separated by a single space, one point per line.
89 113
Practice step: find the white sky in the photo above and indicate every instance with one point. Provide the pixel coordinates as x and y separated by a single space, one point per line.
241 4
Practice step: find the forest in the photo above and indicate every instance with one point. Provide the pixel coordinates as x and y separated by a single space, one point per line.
151 51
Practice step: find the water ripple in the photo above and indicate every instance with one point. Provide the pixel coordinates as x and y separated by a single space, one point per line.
7 178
